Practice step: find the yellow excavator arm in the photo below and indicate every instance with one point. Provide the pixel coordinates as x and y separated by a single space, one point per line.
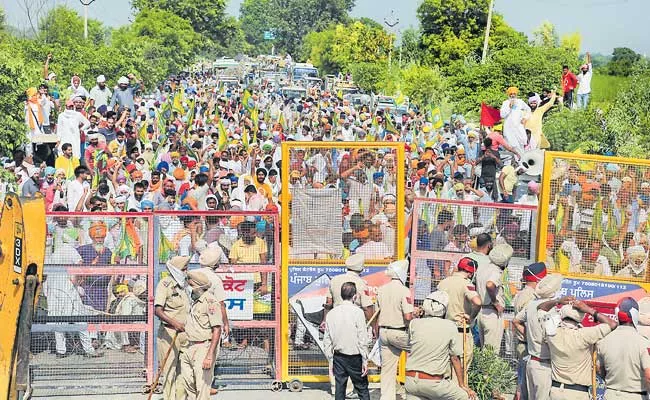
23 232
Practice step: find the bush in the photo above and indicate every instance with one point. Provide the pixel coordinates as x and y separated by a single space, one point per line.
490 375
567 130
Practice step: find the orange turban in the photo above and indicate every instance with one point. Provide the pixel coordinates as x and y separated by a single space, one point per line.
97 230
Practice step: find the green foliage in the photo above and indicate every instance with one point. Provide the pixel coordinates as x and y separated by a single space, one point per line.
370 76
545 35
290 20
567 130
15 78
454 29
605 88
424 85
530 68
342 45
629 117
489 374
410 46
571 42
623 61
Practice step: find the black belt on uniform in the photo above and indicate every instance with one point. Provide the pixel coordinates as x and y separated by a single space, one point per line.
461 330
579 388
644 393
403 328
539 359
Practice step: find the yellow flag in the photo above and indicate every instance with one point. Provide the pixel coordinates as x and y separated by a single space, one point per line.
339 94
247 100
245 138
178 103
436 118
223 136
584 165
400 99
282 121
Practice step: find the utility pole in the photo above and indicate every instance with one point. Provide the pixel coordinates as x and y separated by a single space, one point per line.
391 22
86 3
487 32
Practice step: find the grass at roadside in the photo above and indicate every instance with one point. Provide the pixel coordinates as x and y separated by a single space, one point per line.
604 88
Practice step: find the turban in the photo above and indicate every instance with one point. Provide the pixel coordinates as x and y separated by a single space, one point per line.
97 230
512 90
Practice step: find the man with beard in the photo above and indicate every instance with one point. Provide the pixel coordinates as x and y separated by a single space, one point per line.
124 96
136 198
100 95
33 184
94 254
534 123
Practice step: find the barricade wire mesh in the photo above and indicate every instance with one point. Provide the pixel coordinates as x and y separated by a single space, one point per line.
594 219
249 271
338 199
442 234
343 201
92 316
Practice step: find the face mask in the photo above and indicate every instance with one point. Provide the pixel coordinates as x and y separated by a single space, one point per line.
152 113
175 162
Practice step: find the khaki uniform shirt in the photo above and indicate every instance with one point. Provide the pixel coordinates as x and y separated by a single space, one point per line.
173 299
216 284
394 301
204 315
482 260
625 355
535 336
571 353
346 331
521 300
461 291
489 273
350 276
432 342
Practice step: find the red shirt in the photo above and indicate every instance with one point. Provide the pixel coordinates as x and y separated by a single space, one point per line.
569 82
497 140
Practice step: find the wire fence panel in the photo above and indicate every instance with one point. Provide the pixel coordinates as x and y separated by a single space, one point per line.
442 234
93 317
250 356
338 199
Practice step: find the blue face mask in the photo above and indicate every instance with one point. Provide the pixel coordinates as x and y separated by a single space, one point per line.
152 113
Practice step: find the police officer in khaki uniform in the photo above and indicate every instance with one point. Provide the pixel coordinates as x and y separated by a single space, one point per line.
435 350
203 329
209 262
624 356
355 265
489 285
171 306
531 275
529 322
571 349
395 312
464 302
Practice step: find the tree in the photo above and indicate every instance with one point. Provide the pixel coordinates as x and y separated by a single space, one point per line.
370 77
454 29
410 46
623 60
291 20
424 85
33 10
342 45
545 35
571 42
568 130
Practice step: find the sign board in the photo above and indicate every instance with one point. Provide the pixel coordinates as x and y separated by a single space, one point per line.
239 295
268 35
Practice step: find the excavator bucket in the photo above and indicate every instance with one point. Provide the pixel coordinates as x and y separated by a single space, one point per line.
22 247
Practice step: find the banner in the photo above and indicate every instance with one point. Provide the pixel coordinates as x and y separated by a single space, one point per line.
239 295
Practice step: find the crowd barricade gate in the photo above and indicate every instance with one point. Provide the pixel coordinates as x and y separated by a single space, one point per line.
320 230
440 237
250 357
593 225
96 298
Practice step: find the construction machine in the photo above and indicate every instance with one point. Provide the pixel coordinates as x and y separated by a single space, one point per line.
22 253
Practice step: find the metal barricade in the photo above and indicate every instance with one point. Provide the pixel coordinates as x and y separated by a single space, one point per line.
93 322
441 235
250 357
334 204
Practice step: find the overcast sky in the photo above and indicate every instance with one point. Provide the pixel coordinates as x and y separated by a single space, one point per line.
604 24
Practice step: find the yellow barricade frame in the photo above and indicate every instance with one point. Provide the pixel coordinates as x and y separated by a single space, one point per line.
398 147
545 201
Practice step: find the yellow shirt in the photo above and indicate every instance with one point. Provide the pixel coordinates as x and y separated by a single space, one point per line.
67 164
242 253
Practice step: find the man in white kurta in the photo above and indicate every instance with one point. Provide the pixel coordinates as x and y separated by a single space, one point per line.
515 112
